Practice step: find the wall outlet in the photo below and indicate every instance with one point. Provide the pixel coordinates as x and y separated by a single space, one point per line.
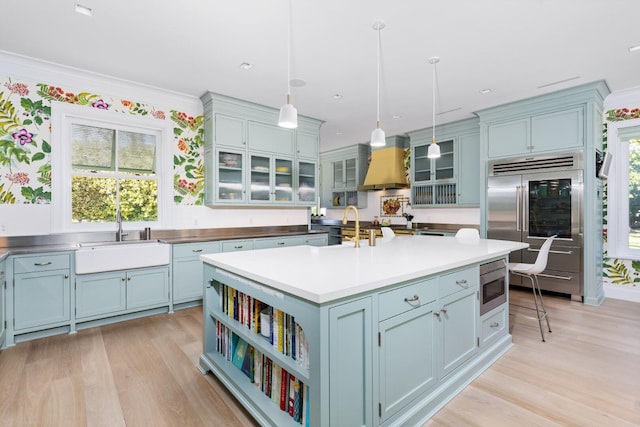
3 228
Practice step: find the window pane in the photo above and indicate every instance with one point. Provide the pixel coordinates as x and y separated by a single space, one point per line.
92 147
139 200
93 199
634 194
136 152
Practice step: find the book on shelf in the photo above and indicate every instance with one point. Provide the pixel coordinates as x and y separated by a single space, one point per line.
247 364
239 351
292 389
297 402
284 386
276 372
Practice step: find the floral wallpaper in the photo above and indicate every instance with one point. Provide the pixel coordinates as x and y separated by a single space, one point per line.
25 140
617 271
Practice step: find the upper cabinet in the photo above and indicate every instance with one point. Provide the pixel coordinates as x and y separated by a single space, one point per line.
451 179
343 170
542 133
249 160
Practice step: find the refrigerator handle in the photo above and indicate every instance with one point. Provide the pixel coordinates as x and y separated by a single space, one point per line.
518 210
525 208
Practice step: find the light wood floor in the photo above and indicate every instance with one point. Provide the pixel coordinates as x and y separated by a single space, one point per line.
143 372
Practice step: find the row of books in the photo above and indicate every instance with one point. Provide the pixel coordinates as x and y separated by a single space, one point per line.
283 388
280 328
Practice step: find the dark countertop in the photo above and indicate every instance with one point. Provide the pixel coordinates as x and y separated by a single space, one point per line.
416 226
22 245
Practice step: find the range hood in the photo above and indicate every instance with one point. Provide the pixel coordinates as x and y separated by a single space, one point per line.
386 170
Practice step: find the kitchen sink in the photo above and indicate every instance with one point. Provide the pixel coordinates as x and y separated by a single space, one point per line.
110 256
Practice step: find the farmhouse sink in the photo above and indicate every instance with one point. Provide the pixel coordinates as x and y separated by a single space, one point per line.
97 257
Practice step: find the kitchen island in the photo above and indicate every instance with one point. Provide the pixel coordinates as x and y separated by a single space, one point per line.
375 336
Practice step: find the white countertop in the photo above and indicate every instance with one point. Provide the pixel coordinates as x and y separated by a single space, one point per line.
323 274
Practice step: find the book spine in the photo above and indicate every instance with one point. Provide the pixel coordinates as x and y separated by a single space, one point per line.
292 390
284 396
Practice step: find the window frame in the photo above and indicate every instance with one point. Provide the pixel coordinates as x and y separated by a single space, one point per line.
63 115
618 192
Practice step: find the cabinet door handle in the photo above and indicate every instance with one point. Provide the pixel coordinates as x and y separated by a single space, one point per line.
42 264
436 313
196 250
494 325
413 301
444 310
128 278
66 276
123 279
462 282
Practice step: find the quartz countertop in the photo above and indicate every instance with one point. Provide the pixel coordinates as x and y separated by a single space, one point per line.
324 274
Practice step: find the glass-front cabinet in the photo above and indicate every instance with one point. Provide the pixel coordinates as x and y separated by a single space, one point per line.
434 179
230 177
270 179
343 170
307 183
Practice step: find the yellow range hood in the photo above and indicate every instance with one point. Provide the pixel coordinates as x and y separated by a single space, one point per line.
386 170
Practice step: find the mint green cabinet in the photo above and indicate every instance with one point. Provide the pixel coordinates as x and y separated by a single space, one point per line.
230 131
3 285
350 364
407 364
319 240
236 245
541 133
100 295
41 291
457 317
342 171
451 179
238 136
187 269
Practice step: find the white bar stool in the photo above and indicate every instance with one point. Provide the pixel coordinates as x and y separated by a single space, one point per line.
531 271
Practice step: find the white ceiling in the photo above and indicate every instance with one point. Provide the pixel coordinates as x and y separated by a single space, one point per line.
513 47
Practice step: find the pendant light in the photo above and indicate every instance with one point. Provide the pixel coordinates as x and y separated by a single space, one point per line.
288 113
434 149
377 136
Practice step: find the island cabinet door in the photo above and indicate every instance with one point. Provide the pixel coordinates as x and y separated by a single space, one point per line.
350 364
458 319
407 358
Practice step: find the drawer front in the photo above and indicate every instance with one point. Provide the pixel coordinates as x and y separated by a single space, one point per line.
185 250
406 298
29 264
493 324
237 245
457 281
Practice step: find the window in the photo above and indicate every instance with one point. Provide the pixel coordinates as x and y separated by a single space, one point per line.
624 190
105 161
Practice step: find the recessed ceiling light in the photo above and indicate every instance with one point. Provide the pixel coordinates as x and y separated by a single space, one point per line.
84 10
246 66
337 96
634 48
485 91
396 116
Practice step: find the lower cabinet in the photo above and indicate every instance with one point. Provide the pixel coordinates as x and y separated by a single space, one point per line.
111 293
457 320
41 292
350 364
187 269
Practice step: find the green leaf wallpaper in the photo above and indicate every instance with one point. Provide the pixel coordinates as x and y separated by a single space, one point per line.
25 140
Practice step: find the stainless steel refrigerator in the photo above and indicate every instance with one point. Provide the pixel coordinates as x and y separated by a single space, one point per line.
532 198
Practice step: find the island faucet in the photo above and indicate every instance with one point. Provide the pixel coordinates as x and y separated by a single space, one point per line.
356 238
119 233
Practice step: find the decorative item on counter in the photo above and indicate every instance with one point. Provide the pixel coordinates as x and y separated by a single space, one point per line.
376 221
409 217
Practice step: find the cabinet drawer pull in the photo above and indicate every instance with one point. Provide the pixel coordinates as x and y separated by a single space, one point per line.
494 325
42 264
196 250
280 243
237 247
462 282
415 298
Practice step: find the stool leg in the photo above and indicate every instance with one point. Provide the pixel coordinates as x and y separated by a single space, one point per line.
535 301
544 309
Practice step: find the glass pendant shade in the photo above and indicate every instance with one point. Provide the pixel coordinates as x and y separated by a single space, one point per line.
378 138
288 116
434 150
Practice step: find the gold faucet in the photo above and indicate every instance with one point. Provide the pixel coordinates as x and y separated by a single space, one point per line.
356 238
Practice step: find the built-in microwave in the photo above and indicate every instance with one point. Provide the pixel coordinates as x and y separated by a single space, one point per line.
493 285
